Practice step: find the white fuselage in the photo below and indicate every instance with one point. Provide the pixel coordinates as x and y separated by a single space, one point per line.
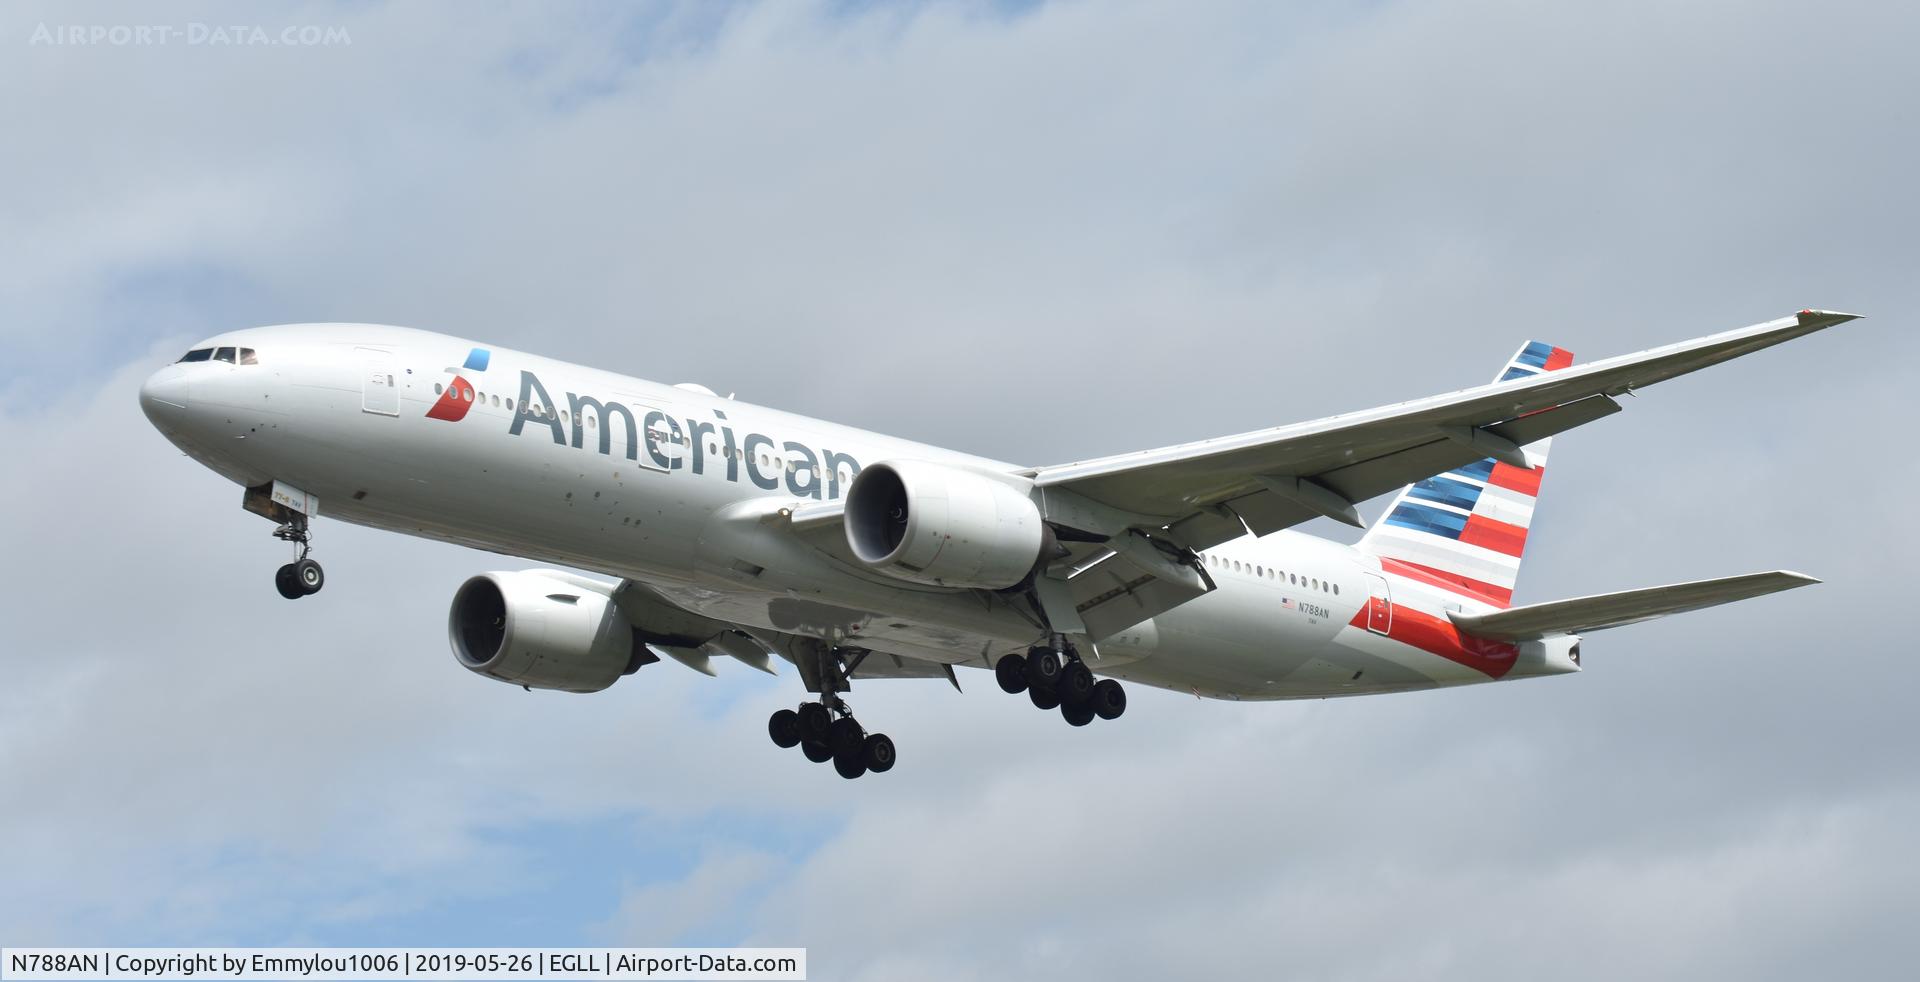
345 412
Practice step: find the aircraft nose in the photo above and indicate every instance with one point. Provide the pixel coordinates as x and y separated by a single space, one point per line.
164 395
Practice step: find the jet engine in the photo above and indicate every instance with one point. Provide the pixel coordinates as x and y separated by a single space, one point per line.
543 629
943 526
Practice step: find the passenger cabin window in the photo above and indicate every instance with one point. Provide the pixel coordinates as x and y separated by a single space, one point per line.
197 354
228 355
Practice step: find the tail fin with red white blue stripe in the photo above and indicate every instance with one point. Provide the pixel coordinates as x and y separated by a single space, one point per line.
1466 530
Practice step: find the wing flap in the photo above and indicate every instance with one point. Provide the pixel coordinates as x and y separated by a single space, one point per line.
1585 614
1118 592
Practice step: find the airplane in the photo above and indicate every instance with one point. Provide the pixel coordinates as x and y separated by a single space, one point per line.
735 531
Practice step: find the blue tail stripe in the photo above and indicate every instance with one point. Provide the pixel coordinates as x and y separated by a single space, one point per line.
1426 518
1535 354
1479 470
1447 491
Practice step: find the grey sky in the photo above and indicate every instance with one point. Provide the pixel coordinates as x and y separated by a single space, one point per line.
1041 235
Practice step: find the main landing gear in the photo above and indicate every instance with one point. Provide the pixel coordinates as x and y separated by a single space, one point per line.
826 730
302 577
1066 684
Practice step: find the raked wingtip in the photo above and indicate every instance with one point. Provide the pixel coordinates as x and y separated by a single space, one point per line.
1825 318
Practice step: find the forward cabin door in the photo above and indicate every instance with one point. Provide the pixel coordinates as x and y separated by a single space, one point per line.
1379 605
379 389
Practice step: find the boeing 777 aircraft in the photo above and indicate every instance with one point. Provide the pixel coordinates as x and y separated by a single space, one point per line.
739 531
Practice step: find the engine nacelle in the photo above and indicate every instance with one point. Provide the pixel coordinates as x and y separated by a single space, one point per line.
944 526
542 629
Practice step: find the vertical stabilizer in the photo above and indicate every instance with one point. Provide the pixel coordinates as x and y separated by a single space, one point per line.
1466 530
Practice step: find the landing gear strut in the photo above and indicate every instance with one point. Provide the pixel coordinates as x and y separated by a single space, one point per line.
302 577
1052 682
826 730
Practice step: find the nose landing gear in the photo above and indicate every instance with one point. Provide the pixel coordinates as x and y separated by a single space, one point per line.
1068 685
302 577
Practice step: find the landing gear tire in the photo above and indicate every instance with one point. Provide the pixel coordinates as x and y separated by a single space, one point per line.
845 737
784 727
1075 684
1043 699
1011 672
1109 699
284 582
309 577
827 730
850 765
814 721
303 577
877 753
1079 715
1043 668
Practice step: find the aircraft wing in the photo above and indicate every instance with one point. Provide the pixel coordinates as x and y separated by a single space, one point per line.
1154 508
1198 495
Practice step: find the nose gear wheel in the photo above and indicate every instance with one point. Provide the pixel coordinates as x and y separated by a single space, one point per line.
303 577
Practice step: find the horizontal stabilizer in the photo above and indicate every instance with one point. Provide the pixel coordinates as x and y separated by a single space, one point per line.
1584 614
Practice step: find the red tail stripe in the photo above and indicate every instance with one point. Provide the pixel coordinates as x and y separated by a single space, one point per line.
1486 533
1525 480
1559 358
1438 636
1450 582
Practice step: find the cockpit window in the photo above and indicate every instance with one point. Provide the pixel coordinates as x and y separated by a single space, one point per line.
232 356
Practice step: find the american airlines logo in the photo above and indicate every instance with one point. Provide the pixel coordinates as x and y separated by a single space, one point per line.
458 398
671 444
